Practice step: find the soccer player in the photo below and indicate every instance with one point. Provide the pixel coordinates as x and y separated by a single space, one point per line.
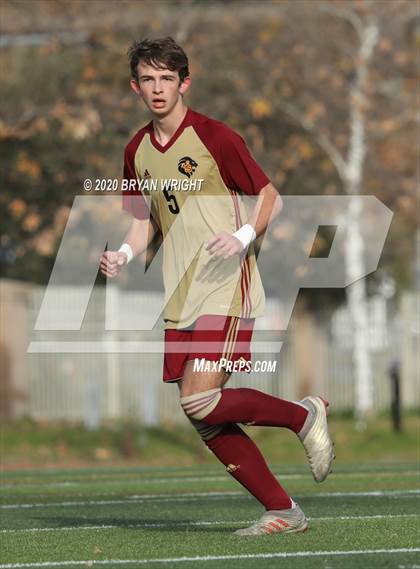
213 291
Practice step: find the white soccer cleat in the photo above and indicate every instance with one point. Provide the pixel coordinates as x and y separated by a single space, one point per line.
316 439
278 521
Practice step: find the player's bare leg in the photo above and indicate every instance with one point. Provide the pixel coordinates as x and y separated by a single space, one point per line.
198 381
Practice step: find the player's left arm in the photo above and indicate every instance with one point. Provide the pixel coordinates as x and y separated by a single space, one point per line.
267 207
242 174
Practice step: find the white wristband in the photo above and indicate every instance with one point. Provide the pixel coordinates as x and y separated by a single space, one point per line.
125 248
246 235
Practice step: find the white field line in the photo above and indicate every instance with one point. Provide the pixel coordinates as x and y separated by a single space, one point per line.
175 525
166 479
194 496
273 555
85 474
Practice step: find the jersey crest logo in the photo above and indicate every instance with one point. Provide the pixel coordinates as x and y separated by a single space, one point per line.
187 166
147 174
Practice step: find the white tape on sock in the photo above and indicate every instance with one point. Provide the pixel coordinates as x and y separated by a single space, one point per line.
199 405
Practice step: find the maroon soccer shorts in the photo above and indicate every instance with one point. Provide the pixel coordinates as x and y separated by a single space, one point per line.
213 338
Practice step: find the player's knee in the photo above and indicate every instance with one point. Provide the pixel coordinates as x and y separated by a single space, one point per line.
199 405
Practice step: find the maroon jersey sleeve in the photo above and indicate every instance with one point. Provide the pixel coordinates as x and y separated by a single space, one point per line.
238 168
132 198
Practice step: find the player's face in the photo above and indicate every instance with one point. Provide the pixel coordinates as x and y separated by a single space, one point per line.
160 89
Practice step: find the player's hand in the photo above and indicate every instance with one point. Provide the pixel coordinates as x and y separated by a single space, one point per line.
224 245
112 262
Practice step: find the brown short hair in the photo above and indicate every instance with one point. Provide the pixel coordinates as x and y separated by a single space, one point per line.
161 52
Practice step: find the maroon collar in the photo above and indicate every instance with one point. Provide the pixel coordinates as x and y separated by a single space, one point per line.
185 122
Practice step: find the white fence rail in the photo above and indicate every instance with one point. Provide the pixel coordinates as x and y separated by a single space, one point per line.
96 387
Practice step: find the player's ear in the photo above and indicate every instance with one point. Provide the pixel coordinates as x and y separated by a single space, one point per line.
185 85
135 86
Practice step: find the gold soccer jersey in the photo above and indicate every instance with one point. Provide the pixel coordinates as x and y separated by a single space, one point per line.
192 188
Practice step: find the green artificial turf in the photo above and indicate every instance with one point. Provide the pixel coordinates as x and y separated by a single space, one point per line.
363 515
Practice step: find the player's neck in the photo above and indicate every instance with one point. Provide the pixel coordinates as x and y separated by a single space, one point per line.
165 127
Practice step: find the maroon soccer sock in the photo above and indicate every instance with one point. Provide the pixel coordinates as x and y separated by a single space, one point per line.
244 461
243 405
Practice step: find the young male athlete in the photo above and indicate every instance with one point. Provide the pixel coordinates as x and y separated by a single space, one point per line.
212 286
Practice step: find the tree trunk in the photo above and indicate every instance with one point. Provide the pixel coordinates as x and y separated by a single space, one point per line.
356 293
358 309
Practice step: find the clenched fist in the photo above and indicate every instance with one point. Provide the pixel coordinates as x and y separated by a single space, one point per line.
112 262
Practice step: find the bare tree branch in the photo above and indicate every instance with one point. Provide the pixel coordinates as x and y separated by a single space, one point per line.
188 19
404 118
344 14
321 138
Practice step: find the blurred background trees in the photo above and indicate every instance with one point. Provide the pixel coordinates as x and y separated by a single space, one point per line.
324 93
280 73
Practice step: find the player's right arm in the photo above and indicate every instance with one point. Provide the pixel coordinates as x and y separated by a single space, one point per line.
140 234
143 227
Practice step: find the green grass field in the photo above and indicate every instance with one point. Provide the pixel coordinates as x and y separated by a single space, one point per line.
365 516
